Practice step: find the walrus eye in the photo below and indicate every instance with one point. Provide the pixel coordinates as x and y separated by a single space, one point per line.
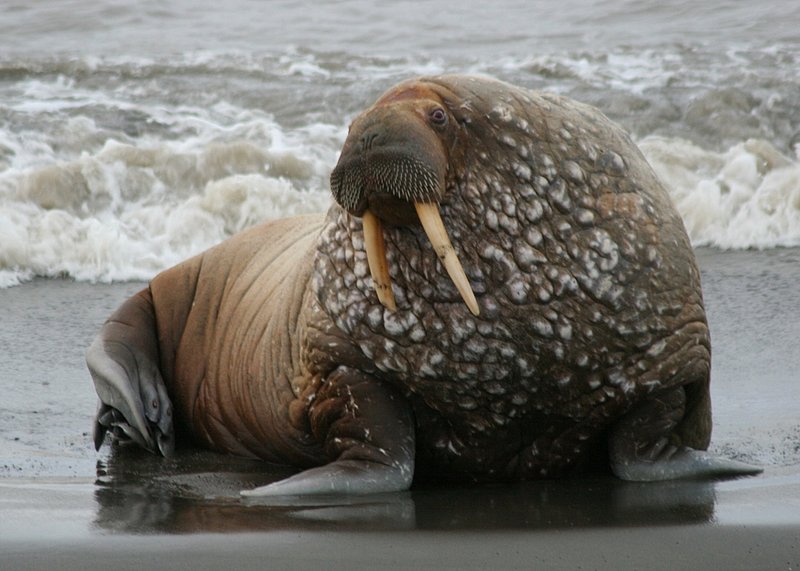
438 116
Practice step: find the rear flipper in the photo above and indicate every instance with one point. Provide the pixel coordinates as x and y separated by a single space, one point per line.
645 448
368 433
123 361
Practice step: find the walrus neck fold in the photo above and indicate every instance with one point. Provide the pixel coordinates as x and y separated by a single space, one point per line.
433 226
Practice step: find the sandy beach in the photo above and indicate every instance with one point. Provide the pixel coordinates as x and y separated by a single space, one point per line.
65 506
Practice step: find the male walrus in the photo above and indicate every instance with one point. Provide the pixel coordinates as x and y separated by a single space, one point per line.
570 320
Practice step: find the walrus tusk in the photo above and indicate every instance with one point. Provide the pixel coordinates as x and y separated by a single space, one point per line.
434 228
376 258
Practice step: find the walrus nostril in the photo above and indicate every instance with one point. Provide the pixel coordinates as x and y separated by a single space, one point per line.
367 140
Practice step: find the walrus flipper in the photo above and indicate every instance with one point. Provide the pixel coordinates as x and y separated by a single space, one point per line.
645 447
123 361
368 432
680 463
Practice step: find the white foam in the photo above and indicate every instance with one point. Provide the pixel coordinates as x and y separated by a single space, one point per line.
745 197
128 212
136 240
632 71
109 173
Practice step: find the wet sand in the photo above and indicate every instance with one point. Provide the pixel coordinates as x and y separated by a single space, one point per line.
582 524
63 506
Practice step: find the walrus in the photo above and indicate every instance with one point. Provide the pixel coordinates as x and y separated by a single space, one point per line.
502 290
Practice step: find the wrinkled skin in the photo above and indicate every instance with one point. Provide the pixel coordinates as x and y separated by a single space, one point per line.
588 337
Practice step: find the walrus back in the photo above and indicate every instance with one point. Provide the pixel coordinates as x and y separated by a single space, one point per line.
227 324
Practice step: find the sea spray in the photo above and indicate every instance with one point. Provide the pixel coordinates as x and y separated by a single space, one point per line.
115 167
745 197
127 213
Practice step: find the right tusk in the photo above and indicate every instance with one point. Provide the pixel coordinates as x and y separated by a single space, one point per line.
376 258
434 228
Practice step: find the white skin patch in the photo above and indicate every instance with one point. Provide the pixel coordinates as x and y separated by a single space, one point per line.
361 270
521 170
560 196
517 291
503 113
495 388
573 171
533 237
657 348
491 220
417 334
476 347
375 317
584 217
508 141
427 371
397 325
543 294
542 327
526 256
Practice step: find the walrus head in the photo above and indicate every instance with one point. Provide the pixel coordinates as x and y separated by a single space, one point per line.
394 169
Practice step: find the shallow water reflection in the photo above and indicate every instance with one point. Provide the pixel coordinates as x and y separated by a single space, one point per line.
198 492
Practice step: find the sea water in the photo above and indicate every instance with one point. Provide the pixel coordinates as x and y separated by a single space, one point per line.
134 134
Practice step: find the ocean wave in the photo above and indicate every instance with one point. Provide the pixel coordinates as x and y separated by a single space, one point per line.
112 168
716 97
125 213
745 197
114 240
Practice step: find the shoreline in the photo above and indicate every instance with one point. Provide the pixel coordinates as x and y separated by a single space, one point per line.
66 506
752 303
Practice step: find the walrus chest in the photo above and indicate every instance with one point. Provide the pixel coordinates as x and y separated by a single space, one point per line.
487 378
580 293
520 357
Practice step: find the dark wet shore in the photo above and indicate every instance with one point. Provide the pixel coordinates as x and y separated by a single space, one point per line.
579 524
63 506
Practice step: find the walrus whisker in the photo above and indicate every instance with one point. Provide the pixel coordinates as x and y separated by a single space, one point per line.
434 228
376 258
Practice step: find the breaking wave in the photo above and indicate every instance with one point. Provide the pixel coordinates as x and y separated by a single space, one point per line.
116 168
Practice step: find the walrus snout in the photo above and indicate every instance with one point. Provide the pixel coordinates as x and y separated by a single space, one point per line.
391 155
392 169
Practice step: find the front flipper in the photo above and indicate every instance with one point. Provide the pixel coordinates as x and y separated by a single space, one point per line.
644 448
123 361
368 432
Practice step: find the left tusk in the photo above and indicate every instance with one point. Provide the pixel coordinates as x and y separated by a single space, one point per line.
434 228
376 258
